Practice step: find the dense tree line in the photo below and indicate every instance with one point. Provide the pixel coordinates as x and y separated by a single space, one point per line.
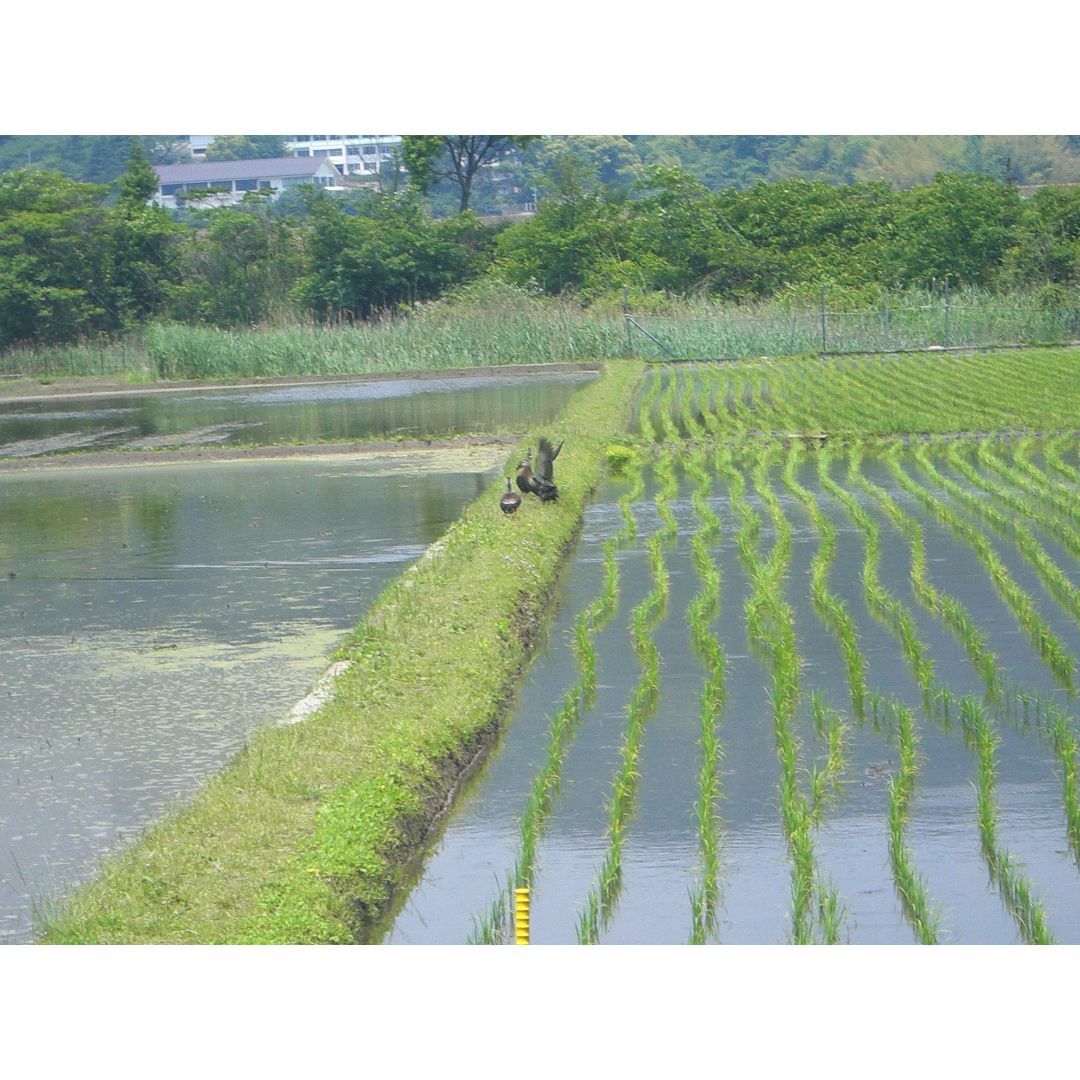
79 260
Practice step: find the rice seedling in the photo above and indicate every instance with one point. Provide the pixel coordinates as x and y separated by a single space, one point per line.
1049 646
886 606
1035 495
831 609
949 609
1057 581
1013 888
909 885
603 897
664 470
646 402
667 428
700 612
1052 456
770 624
1067 750
691 406
825 782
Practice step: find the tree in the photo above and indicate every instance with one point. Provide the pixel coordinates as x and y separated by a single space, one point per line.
387 253
245 147
430 158
239 270
139 183
960 227
141 241
54 268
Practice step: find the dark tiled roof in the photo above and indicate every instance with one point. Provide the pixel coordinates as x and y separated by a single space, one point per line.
255 169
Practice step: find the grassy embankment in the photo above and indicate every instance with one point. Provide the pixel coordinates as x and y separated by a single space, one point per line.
306 835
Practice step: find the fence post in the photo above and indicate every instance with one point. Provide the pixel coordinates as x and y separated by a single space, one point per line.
946 309
885 316
822 320
626 319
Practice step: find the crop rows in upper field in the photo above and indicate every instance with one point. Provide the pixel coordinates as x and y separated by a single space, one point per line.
1034 392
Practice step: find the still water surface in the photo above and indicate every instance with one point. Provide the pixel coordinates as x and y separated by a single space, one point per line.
472 858
151 618
312 412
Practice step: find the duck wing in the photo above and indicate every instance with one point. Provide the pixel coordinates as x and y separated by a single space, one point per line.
545 460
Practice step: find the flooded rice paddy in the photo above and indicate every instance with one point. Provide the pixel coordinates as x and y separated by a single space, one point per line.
153 617
309 412
937 802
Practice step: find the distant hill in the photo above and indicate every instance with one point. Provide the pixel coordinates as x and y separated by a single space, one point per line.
901 160
94 159
719 161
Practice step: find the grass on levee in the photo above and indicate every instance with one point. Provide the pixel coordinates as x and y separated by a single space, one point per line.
304 837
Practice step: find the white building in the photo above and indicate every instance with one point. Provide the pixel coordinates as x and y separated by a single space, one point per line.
355 155
229 181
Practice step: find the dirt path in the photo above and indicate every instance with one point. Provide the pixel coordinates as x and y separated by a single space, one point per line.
375 448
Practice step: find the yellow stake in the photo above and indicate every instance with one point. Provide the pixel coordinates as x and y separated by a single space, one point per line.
521 916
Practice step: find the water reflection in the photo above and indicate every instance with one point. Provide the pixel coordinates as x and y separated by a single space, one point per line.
313 412
661 863
152 618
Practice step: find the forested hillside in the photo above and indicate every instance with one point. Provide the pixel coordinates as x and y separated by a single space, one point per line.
718 161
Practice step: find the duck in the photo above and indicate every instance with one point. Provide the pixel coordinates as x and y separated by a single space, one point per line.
548 491
510 501
526 481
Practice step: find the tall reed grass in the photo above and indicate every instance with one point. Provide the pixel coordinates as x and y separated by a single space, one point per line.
491 324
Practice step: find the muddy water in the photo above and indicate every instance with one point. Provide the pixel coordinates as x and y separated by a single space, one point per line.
661 864
151 618
314 412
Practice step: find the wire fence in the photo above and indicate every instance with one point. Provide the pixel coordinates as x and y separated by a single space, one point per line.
533 330
736 334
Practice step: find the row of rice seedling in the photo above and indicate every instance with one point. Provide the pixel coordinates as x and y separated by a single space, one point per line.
664 471
1035 494
602 899
884 604
693 405
1050 648
831 609
649 394
917 394
910 887
667 429
700 612
832 728
1013 887
799 812
1052 456
948 608
771 629
494 925
955 616
1058 582
1067 749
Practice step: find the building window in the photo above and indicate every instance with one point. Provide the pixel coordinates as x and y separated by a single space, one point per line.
171 189
246 185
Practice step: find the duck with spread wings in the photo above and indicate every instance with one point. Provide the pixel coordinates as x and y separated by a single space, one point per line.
545 470
540 482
